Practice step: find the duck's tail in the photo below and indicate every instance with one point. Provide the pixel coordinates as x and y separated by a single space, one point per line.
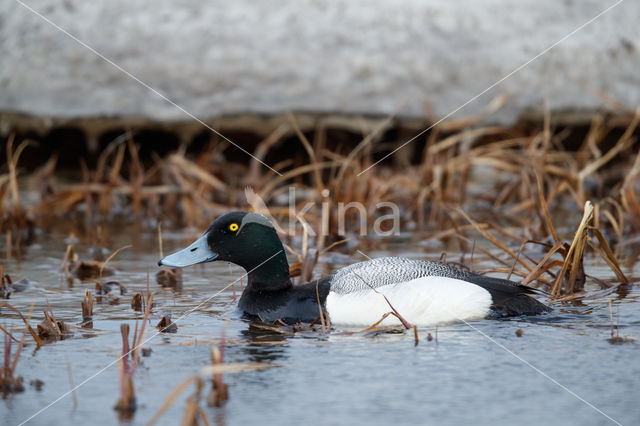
509 298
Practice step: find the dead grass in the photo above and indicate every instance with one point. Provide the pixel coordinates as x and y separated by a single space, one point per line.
523 181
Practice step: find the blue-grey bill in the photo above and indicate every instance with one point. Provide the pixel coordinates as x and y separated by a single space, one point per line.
197 252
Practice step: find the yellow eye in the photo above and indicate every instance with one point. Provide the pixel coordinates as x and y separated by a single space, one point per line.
233 227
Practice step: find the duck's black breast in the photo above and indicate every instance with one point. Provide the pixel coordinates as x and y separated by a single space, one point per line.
298 303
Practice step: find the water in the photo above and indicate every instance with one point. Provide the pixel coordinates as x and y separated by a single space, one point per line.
561 371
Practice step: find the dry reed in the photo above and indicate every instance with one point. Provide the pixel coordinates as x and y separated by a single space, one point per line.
526 177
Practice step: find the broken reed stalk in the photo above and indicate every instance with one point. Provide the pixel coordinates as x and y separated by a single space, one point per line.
87 309
573 257
320 310
130 359
87 305
137 343
127 401
12 163
219 390
13 216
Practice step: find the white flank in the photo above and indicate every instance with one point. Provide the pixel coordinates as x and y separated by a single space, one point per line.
423 301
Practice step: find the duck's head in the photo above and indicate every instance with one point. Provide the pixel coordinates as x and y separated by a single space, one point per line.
246 239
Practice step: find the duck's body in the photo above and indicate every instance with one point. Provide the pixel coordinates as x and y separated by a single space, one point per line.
425 293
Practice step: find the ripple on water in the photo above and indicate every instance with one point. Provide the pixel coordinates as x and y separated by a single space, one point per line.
471 375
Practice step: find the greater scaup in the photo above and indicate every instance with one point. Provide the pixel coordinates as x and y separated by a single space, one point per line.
424 292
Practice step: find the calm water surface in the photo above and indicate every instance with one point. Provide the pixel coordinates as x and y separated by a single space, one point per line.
480 373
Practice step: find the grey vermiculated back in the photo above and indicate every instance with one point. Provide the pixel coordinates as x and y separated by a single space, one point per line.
508 298
389 270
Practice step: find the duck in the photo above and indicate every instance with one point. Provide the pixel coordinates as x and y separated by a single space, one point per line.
424 293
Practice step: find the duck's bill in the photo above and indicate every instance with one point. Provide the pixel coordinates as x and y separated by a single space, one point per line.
197 252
